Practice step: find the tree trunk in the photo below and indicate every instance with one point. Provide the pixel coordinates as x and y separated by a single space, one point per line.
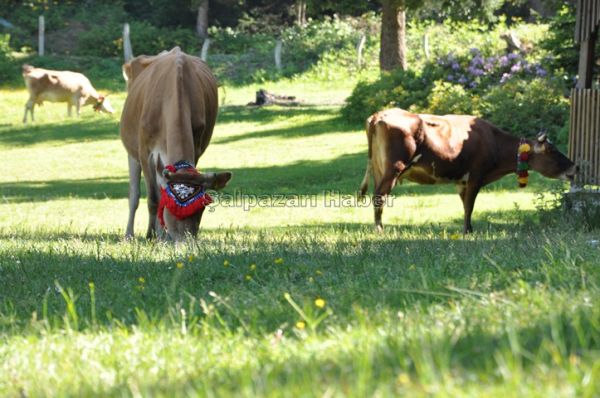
202 19
301 12
392 53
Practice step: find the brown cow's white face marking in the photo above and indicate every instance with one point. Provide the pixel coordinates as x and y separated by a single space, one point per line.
106 106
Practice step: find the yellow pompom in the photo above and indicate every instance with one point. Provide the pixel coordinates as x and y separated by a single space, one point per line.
524 148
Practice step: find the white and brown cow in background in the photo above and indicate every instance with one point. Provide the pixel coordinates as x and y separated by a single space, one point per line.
168 118
454 149
61 86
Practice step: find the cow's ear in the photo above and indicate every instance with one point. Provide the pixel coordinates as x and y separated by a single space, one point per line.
133 68
542 136
127 72
220 180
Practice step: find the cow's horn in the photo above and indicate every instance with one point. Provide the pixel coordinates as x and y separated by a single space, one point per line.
541 137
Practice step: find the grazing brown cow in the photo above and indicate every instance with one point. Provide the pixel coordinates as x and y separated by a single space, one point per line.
452 149
169 116
61 86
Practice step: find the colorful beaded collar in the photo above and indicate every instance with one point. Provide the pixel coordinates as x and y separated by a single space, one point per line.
182 199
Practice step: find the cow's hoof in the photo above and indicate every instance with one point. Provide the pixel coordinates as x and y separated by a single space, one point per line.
379 228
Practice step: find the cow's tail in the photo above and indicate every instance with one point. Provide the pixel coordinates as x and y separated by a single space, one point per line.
365 182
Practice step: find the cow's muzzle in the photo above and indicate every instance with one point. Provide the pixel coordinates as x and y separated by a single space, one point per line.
569 175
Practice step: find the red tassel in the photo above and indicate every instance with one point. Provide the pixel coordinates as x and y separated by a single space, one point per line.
180 212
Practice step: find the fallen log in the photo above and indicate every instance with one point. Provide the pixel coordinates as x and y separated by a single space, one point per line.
263 97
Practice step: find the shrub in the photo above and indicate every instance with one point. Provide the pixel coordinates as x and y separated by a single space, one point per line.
448 98
6 62
106 40
523 107
476 71
404 89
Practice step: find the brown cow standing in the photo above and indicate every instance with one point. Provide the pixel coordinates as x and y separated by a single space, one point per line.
463 150
61 86
169 116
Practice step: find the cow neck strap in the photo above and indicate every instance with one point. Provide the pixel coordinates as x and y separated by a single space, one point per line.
98 104
523 162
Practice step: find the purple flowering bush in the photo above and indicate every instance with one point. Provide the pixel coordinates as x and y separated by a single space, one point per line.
478 72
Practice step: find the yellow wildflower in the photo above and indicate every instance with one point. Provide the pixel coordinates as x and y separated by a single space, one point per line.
190 258
226 263
179 265
248 277
320 303
311 279
141 279
300 325
573 360
403 379
279 260
318 272
252 267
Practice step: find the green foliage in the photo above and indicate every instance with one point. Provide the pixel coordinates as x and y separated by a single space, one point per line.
524 107
560 41
403 89
6 62
448 98
106 40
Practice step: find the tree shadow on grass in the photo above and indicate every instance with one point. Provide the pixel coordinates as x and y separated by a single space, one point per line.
42 191
341 175
267 114
95 128
334 123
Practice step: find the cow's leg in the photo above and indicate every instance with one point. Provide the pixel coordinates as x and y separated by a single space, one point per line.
78 104
28 108
69 108
382 190
364 185
153 197
135 171
468 194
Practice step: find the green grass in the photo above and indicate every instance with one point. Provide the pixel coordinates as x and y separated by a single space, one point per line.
510 310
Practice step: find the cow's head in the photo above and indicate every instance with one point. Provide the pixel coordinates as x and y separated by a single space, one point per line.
547 160
184 197
103 105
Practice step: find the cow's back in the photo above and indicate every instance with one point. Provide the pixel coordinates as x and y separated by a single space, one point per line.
52 85
174 99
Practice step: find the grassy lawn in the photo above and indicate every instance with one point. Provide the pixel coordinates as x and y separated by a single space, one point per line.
511 310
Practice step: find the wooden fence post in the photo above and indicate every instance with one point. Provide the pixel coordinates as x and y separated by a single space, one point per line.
359 49
204 51
127 51
41 29
426 45
278 46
